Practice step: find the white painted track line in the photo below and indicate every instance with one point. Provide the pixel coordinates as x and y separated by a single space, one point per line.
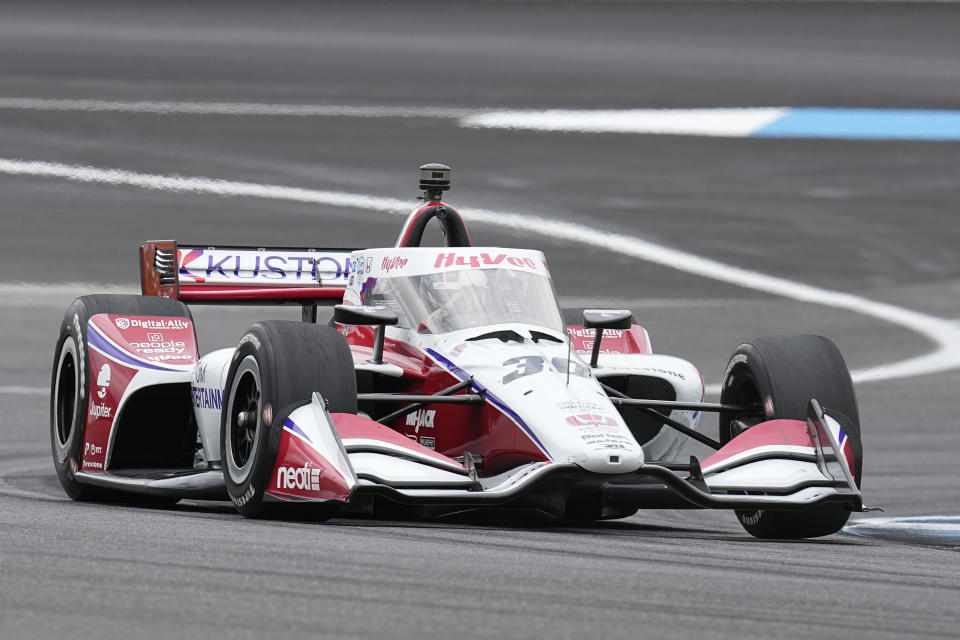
24 391
945 334
231 108
692 122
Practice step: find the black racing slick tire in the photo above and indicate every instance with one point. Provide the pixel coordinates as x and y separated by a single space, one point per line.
70 381
780 374
275 369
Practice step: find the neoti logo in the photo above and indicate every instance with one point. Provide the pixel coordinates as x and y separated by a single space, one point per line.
305 478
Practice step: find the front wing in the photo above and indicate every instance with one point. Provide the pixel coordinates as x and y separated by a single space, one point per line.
778 465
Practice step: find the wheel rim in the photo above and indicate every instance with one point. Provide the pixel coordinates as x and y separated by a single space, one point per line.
65 398
742 389
244 420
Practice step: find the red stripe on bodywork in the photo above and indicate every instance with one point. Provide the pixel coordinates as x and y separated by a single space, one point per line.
771 433
405 232
482 430
351 426
216 293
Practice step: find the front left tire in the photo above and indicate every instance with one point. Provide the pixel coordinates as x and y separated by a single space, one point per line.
275 369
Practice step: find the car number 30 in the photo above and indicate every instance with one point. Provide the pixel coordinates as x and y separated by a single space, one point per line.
529 365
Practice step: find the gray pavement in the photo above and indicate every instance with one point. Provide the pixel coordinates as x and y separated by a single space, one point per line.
872 218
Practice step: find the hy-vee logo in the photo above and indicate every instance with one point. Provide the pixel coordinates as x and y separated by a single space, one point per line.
389 264
482 260
305 478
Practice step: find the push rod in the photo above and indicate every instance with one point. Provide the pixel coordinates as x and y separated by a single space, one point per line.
399 413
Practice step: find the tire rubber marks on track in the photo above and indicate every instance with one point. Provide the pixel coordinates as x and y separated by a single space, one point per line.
20 466
945 334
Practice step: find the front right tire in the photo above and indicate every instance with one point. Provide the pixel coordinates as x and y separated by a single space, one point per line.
781 374
70 382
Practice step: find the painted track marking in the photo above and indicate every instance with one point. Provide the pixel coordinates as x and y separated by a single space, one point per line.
23 391
945 334
232 108
738 122
755 122
938 530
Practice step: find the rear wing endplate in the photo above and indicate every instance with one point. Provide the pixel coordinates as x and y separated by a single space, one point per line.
244 275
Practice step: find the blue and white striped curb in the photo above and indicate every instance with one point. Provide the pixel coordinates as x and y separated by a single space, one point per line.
763 122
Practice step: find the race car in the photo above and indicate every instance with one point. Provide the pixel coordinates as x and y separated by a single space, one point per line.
448 380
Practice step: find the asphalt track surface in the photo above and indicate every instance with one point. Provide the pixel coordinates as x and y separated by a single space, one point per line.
877 219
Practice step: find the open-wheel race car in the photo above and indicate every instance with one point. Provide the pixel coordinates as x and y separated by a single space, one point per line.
447 380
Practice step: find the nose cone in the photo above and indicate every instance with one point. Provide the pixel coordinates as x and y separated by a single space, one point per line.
606 449
571 415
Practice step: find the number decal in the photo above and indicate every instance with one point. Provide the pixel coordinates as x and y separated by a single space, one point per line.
576 368
529 365
526 366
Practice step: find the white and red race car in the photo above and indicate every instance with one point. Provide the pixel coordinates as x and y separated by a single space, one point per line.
448 381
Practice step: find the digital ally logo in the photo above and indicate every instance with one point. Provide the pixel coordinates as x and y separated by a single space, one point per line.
122 323
103 381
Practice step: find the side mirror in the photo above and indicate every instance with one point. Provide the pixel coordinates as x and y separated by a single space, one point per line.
601 319
378 317
363 315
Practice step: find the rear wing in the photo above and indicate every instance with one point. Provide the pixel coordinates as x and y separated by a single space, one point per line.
244 275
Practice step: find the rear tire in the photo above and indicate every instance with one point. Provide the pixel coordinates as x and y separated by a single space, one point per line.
782 374
275 369
70 384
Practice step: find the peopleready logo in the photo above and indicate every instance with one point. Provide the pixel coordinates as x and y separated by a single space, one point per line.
305 478
161 323
170 346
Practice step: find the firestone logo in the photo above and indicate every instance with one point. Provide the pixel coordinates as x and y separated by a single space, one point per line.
305 478
389 264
